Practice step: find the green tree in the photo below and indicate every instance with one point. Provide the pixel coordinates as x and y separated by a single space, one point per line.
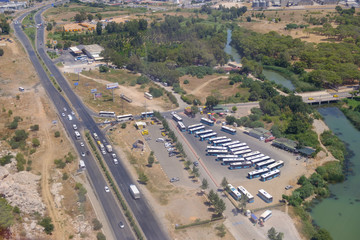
1 52
224 182
6 216
322 234
49 27
194 110
35 142
34 127
47 224
143 178
151 159
234 108
99 28
97 225
90 17
211 102
187 164
99 16
220 206
57 134
204 184
195 171
100 236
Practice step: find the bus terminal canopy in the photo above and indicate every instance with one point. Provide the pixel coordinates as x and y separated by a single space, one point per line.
75 50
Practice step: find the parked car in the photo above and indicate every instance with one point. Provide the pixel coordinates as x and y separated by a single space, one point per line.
175 179
170 149
103 152
288 187
160 140
172 154
196 164
63 114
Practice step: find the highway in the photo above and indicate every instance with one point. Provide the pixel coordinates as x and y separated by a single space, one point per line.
142 211
108 201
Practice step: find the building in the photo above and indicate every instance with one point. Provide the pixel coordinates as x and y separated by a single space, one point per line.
286 144
260 133
93 51
76 51
306 151
12 6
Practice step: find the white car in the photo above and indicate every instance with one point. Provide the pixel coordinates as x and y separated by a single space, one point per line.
160 140
116 161
107 189
72 112
65 109
103 152
74 126
82 144
113 155
83 154
170 149
63 114
167 144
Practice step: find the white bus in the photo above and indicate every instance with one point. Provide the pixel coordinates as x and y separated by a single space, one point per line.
241 152
228 161
216 152
228 130
200 133
107 114
257 173
215 139
251 154
276 165
181 126
177 118
265 196
270 175
239 149
207 136
233 192
244 192
124 118
254 157
261 165
194 126
240 165
207 121
231 143
236 145
200 128
221 157
215 148
77 135
259 160
148 95
147 114
266 215
221 142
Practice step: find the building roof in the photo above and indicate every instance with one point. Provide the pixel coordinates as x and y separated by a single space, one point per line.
285 142
93 48
307 151
259 131
75 50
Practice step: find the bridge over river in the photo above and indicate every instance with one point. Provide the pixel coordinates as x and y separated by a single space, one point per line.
321 97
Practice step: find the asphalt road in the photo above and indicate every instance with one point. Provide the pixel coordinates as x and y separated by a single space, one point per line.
140 208
109 203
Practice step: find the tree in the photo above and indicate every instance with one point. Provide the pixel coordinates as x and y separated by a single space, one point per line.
234 109
49 27
211 101
59 46
47 224
195 171
220 206
67 44
99 16
204 184
187 164
1 52
97 225
322 234
99 28
194 110
273 235
100 236
34 127
35 142
57 134
90 17
224 182
78 18
143 178
6 216
151 159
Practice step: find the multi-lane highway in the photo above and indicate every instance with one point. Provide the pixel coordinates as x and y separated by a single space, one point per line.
140 208
108 201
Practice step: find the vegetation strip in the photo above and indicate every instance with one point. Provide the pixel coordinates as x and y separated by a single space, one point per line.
127 212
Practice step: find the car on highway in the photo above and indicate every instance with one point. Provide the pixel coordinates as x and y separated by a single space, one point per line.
83 154
107 189
103 152
174 179
113 155
63 114
116 161
121 225
310 98
72 112
82 144
335 95
65 109
74 126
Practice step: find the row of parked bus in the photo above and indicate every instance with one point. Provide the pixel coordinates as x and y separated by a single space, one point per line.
124 118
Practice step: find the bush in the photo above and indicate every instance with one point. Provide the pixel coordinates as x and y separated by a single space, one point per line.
48 226
34 127
123 125
59 163
142 80
1 52
65 176
57 134
103 69
96 224
186 81
100 236
156 92
6 159
35 142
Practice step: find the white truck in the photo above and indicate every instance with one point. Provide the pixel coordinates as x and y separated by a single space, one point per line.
134 191
109 148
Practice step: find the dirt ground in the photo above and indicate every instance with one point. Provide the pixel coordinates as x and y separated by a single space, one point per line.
33 107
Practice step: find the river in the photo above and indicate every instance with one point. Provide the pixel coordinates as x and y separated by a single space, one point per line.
339 214
269 74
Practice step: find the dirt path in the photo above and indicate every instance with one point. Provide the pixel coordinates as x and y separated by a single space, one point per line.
199 88
46 159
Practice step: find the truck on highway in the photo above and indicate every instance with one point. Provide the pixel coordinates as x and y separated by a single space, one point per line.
134 191
109 148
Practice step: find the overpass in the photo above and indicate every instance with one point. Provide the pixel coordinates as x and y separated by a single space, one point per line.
324 97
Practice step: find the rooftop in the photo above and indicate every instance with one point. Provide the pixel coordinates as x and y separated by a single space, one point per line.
93 48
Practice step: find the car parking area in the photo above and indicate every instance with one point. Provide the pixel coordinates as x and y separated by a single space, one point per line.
197 152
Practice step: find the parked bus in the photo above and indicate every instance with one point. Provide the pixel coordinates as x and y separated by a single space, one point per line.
257 173
221 157
221 142
124 118
254 157
215 139
200 133
276 165
177 118
227 161
200 128
194 126
236 145
208 136
240 153
270 175
207 121
246 194
231 143
266 215
239 149
240 165
77 135
233 192
261 165
107 114
251 154
147 114
181 126
265 196
228 130
216 152
148 95
215 148
259 160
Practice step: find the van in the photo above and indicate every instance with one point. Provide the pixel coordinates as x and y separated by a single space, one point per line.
70 117
160 140
21 89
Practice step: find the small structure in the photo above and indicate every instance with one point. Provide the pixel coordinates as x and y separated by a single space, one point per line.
140 125
260 133
306 151
129 100
76 51
286 144
93 51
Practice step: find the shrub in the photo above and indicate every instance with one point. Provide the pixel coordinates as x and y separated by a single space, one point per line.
142 80
57 134
59 163
123 125
103 69
35 142
186 81
100 236
1 52
34 127
48 226
96 224
156 92
65 176
6 159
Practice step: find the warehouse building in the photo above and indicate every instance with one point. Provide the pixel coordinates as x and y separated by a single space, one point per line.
93 51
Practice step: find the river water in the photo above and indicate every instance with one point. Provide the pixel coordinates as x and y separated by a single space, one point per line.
269 74
339 214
